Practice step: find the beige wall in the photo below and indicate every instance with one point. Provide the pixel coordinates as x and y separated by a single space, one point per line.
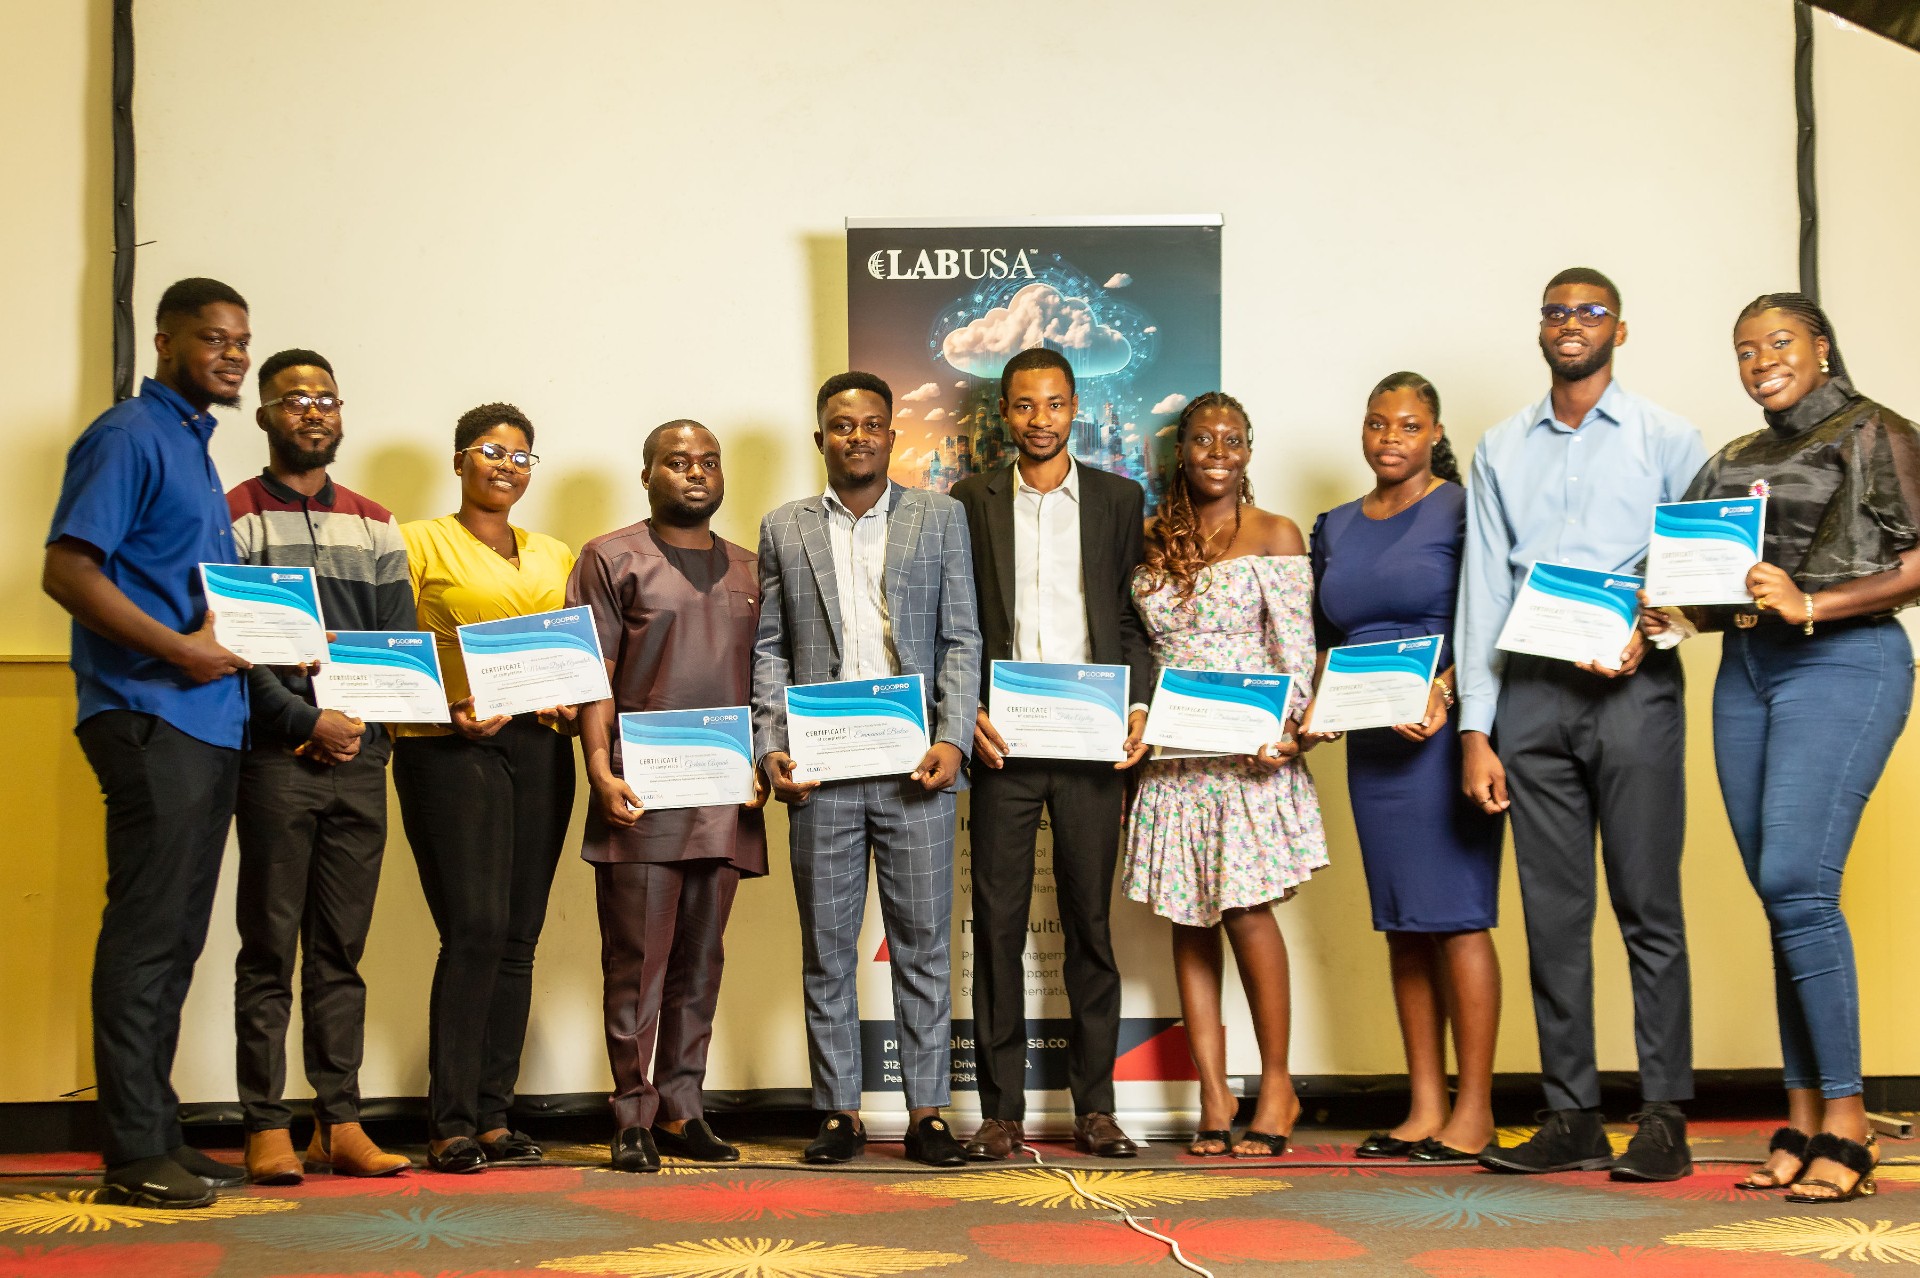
620 214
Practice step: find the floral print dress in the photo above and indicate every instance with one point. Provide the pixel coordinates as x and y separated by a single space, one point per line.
1215 834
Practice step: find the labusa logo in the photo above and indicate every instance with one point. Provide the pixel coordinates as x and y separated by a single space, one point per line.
951 264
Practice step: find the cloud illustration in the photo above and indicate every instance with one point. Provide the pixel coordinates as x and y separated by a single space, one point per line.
1038 315
935 414
905 412
1151 328
960 385
1119 280
1171 404
926 390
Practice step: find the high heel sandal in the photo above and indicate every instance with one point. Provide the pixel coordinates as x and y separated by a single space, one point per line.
1788 1140
1220 1134
1851 1154
1276 1145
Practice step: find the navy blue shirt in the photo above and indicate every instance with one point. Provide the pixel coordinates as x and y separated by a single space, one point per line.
141 488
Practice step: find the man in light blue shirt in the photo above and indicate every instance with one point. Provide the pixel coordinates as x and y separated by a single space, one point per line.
1567 748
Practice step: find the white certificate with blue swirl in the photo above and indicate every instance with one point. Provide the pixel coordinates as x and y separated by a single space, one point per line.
1217 711
1701 551
857 728
1375 685
1573 614
1056 710
269 616
533 662
382 676
688 758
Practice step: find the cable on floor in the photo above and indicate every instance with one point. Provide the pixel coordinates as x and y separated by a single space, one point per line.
1173 1245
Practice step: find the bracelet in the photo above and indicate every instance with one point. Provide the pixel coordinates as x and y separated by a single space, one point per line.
1446 693
1807 629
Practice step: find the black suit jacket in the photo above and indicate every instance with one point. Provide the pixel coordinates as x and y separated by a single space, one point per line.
1112 510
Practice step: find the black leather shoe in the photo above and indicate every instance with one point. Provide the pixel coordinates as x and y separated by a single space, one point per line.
461 1157
1658 1151
217 1174
696 1141
511 1149
1568 1140
155 1182
1383 1145
931 1141
840 1141
1433 1150
633 1151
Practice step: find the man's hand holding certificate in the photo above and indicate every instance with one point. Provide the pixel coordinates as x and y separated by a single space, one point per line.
1050 710
857 728
534 662
382 676
268 616
688 758
1573 614
1375 685
1218 711
1701 551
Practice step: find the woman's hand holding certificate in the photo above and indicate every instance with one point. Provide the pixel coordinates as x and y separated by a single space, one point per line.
1375 685
1220 712
538 662
1700 551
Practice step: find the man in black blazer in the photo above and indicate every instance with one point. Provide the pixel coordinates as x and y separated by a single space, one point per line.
1055 544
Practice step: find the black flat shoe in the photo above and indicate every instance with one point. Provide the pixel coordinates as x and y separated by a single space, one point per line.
462 1157
156 1182
1850 1154
1786 1140
633 1151
217 1174
839 1141
696 1141
1383 1145
931 1141
1220 1134
1276 1145
1431 1150
512 1149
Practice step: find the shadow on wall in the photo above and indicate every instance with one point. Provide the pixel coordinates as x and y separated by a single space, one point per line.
827 285
407 479
580 505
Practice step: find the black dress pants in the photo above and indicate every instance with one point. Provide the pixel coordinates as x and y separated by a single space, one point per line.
311 841
1083 800
486 820
169 802
1581 753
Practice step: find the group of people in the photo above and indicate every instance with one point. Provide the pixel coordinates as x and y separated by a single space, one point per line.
1046 560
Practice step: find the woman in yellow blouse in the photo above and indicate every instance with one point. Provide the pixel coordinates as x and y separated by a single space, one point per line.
485 802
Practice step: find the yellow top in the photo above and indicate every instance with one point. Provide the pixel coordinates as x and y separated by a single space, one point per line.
458 580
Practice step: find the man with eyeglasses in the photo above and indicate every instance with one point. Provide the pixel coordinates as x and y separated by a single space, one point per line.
162 718
865 581
1564 749
312 814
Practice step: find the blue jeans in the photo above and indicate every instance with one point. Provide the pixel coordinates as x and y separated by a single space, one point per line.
1802 727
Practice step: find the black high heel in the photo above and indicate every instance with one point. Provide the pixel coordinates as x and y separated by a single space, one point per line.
1220 1134
1788 1140
1276 1145
1851 1154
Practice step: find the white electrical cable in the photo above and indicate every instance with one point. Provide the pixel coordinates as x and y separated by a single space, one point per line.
1173 1246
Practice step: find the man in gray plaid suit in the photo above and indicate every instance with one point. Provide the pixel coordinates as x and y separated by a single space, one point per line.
865 581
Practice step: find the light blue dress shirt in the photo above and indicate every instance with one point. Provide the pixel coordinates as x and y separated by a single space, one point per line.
1540 491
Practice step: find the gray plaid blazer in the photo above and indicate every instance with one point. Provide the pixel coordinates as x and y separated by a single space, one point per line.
929 585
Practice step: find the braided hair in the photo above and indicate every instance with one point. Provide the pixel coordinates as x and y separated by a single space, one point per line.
1175 549
1442 463
1808 312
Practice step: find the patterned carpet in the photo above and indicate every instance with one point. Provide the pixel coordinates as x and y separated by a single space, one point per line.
764 1219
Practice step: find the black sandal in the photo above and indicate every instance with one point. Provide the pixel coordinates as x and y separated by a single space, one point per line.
1788 1140
1850 1154
1276 1145
1383 1145
1220 1134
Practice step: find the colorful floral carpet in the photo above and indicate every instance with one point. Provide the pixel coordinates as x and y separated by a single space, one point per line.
768 1220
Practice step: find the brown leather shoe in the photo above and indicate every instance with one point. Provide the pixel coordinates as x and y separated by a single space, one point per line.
270 1158
345 1149
1100 1135
997 1140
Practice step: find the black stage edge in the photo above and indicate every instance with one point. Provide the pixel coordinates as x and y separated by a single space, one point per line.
1346 1102
124 352
1897 20
1805 177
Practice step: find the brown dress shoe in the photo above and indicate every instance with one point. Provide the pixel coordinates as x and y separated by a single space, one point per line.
345 1149
1100 1135
270 1158
997 1140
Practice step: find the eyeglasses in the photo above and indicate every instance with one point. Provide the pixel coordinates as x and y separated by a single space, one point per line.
1588 313
520 457
847 430
299 404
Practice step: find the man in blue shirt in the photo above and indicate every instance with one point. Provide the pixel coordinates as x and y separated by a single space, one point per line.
163 712
1573 480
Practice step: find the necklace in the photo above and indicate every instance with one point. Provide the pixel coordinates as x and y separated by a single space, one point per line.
1206 539
1432 483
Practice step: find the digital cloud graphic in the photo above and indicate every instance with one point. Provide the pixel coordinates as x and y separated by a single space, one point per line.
1038 315
1171 404
927 390
1119 280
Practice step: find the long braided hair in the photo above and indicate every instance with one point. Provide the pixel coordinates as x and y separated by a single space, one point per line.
1442 463
1808 312
1175 549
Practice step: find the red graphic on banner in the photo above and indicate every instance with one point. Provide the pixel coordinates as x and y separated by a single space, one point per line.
1165 1057
883 955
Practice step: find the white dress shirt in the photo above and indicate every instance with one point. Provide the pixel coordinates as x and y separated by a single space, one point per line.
1049 594
859 568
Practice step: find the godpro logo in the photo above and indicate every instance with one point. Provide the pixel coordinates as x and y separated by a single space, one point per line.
879 688
403 643
705 719
1418 645
1093 674
1735 510
278 577
951 264
1253 681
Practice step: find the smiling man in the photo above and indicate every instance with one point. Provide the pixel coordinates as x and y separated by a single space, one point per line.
163 717
1573 480
313 789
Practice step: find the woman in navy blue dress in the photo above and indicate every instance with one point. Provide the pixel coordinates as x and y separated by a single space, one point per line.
1387 567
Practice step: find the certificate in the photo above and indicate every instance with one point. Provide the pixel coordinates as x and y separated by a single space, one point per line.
688 758
857 728
1052 710
382 676
269 616
1573 614
1375 685
1200 712
532 662
1701 550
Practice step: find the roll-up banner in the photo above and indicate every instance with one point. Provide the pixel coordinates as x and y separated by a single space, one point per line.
936 307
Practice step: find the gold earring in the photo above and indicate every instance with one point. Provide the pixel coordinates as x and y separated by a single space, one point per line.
1824 368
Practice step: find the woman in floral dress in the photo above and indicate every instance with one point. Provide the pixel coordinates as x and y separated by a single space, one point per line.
1215 843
